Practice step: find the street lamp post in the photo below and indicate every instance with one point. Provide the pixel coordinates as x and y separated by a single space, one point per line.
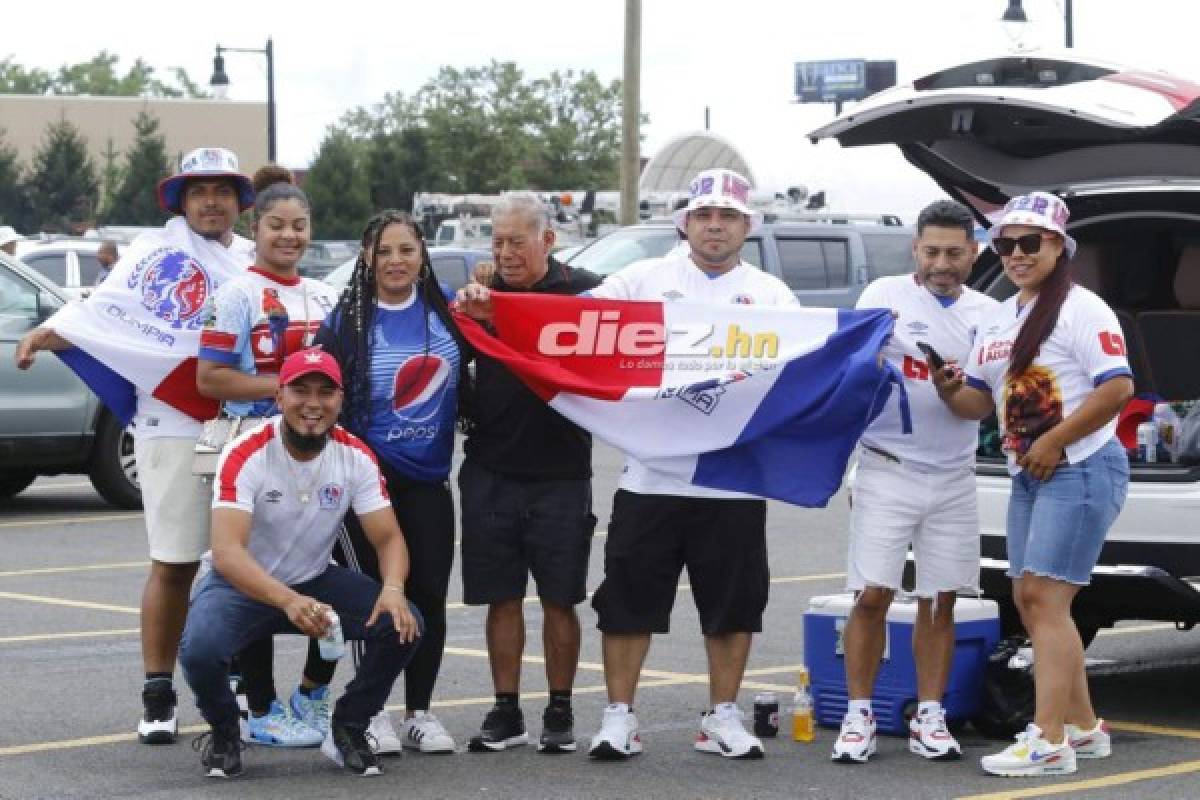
1016 14
220 85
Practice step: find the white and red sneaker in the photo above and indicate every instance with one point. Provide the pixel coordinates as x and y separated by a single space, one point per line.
1031 755
722 733
1096 743
929 737
856 741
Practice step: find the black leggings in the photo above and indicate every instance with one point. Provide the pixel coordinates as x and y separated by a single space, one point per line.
425 512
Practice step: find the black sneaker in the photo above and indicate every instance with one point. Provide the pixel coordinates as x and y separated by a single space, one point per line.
350 748
158 724
503 727
558 729
222 750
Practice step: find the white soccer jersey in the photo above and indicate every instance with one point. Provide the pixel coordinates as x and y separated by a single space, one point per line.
939 438
675 277
297 506
1084 350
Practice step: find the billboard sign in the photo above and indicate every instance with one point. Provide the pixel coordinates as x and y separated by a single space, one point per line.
831 81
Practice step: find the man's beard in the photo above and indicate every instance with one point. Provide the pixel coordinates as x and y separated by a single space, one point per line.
304 442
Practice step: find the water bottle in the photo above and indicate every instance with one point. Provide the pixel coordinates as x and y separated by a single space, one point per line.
332 645
802 710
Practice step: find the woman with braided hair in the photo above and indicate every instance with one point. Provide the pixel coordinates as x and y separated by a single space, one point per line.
406 383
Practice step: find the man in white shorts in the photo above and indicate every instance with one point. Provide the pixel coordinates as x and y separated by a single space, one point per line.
915 489
168 273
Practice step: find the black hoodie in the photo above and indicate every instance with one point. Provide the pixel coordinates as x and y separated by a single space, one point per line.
515 433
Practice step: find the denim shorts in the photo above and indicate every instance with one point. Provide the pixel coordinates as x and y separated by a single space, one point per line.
1056 528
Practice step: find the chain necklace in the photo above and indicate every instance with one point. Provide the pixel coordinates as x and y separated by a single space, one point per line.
304 492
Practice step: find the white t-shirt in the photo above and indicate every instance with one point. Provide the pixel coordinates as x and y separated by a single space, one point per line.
939 438
257 320
292 539
1085 349
154 419
676 278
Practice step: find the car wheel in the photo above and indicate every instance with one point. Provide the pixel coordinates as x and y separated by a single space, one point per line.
113 469
13 483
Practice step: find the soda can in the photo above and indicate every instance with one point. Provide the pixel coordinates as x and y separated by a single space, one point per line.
766 715
1147 442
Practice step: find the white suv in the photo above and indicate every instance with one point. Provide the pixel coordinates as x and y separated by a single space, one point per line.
1122 147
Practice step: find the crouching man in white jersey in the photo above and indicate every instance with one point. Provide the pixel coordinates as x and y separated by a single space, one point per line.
916 489
281 494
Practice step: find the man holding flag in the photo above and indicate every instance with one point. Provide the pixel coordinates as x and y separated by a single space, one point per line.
134 342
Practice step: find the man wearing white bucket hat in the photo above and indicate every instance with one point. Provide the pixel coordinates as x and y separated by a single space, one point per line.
8 239
134 342
659 524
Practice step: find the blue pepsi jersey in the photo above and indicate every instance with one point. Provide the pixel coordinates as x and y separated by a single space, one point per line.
414 393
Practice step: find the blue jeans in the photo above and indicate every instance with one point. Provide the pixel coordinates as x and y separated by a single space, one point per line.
222 621
1056 528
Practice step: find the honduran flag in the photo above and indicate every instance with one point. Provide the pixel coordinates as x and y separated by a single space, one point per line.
140 328
769 401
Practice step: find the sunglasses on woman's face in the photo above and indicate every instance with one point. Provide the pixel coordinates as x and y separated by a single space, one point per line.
1030 243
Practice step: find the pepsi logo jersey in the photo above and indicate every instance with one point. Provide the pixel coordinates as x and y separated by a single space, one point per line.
939 438
256 321
292 540
414 393
676 278
1085 349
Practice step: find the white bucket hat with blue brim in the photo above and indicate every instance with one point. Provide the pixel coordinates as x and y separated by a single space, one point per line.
204 162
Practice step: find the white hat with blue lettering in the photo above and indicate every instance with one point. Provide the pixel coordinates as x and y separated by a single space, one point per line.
1039 210
718 188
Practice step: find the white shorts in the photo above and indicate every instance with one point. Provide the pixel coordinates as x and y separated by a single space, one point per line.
934 511
178 504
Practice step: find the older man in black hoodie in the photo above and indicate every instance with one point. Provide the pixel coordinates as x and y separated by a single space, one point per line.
526 500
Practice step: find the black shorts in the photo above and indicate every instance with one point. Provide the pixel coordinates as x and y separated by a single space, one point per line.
512 528
652 537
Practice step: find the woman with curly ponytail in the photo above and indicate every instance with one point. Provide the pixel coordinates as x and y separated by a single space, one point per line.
406 383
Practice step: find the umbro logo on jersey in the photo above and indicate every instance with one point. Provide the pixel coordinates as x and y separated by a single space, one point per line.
273 496
916 326
672 295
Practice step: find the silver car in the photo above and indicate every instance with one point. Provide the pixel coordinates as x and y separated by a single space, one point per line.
50 422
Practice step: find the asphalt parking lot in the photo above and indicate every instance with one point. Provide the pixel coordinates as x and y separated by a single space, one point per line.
70 582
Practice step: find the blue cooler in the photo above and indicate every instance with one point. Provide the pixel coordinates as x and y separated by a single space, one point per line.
977 630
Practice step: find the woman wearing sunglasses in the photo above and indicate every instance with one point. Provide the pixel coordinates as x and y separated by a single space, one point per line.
1050 361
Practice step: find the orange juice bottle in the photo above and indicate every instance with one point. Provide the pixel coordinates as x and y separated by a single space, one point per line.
802 710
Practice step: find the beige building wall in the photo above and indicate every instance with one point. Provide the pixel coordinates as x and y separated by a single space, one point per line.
186 124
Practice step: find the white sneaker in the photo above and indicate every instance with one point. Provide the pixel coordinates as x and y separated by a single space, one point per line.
618 738
928 737
1031 755
1096 743
425 733
383 738
856 741
722 732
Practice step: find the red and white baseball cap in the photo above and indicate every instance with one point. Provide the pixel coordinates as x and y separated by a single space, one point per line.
314 360
719 188
204 162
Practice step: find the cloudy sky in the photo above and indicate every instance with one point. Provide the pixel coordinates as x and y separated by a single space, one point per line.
734 57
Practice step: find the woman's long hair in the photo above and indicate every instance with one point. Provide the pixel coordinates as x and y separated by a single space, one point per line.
1042 317
355 318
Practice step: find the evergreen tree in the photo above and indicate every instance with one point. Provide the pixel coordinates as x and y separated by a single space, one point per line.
110 176
62 187
14 210
337 187
135 201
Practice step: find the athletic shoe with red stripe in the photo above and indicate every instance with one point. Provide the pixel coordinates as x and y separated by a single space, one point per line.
929 738
856 741
1096 743
1031 755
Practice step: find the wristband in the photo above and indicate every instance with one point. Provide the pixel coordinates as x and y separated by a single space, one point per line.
394 588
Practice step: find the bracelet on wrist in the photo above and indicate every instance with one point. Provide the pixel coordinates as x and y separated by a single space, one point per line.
394 587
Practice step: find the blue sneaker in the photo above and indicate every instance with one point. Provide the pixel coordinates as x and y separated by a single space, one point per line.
313 709
280 728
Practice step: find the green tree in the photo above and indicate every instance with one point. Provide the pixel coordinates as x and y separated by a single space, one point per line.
61 185
337 187
110 176
15 79
97 76
14 208
578 134
146 163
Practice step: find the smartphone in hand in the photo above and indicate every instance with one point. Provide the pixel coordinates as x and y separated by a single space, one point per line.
935 359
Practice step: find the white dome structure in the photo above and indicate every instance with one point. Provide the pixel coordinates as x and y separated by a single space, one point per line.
678 161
